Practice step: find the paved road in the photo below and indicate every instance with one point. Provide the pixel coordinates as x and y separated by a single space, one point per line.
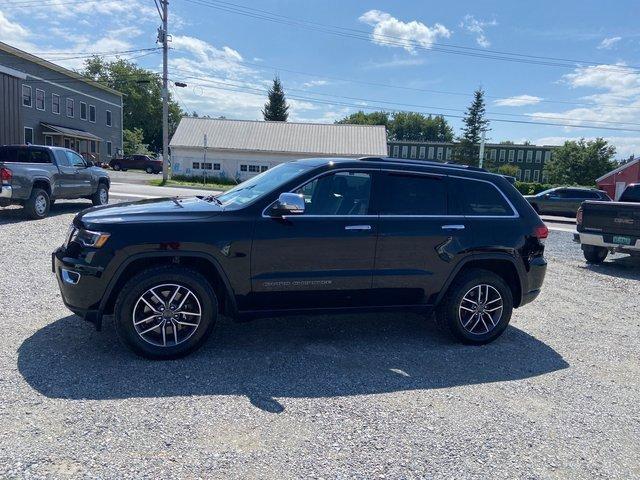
133 185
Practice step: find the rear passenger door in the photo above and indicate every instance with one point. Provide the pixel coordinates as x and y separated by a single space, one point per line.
413 231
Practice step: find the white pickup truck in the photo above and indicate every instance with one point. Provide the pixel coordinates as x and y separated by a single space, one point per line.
605 227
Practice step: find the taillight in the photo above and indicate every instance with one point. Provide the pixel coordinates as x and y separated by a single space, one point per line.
541 232
579 216
5 174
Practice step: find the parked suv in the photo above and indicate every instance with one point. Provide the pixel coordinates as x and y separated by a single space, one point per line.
36 176
564 201
137 162
309 236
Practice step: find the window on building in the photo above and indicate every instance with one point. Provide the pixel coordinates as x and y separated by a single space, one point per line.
414 151
422 153
196 165
396 151
440 153
39 99
254 168
432 152
547 156
538 156
70 107
92 113
26 96
520 155
83 111
55 104
340 193
545 177
405 151
216 166
512 155
109 149
519 175
503 154
109 118
493 154
207 166
28 135
527 175
263 168
243 168
448 153
471 197
406 194
529 156
93 146
536 175
48 140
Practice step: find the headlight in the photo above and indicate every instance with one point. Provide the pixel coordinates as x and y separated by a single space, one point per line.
87 238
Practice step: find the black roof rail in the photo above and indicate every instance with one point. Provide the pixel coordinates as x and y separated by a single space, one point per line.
422 162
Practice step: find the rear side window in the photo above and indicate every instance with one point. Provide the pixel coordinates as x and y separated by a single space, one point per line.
476 198
24 155
406 194
631 194
8 154
40 156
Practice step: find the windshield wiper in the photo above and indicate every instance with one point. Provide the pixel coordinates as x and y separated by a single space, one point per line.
214 198
175 200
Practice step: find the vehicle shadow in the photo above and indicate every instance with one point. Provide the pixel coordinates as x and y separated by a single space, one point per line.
15 215
292 357
627 267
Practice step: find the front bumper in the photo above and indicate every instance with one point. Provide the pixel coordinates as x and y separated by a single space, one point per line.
606 241
81 286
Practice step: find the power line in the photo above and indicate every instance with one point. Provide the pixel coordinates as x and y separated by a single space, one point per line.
400 42
259 92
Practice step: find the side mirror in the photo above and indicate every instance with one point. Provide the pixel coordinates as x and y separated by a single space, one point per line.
89 163
288 204
547 196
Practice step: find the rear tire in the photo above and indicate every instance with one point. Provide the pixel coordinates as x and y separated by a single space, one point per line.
191 331
38 205
593 254
101 196
149 170
476 308
116 167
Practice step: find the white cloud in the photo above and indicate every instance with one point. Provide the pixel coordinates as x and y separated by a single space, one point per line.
608 43
477 27
13 33
517 101
315 83
390 31
396 62
625 146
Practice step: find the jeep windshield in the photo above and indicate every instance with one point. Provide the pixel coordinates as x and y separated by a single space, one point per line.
261 184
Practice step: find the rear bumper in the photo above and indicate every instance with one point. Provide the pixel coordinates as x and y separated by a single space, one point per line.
535 278
605 240
6 192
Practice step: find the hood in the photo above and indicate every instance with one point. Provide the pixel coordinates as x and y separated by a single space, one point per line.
149 211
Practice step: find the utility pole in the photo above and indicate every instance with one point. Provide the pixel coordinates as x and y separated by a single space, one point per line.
164 37
484 133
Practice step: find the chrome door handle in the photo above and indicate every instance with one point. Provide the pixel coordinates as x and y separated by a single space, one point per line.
358 227
452 227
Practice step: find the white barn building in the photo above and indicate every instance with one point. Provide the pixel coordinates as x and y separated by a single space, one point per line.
239 149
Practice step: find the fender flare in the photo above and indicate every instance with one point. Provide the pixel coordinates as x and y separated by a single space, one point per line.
483 256
41 179
122 267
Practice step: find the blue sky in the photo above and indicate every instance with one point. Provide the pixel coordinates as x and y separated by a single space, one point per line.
384 54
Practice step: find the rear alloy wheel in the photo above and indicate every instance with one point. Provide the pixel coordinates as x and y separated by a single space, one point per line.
165 312
38 204
593 254
116 166
149 170
477 307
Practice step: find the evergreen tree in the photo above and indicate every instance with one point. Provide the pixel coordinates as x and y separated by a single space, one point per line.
474 124
276 108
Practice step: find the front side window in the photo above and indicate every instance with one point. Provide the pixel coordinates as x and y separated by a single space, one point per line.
26 96
55 104
74 159
39 99
407 194
477 198
92 113
340 193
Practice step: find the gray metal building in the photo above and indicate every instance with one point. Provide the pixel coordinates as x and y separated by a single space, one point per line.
45 104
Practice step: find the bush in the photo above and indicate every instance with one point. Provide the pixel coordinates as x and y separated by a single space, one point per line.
216 179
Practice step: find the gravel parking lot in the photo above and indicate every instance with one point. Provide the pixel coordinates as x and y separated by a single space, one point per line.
350 396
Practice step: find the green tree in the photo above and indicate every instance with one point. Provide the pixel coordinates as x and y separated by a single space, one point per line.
580 162
142 100
276 108
409 126
508 169
133 142
475 123
362 118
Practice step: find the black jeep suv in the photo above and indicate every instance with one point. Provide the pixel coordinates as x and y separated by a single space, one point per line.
314 235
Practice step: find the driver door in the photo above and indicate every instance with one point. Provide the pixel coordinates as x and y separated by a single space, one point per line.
323 257
80 173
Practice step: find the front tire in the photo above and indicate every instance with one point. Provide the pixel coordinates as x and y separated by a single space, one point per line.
593 254
149 170
116 167
165 312
101 196
476 308
38 205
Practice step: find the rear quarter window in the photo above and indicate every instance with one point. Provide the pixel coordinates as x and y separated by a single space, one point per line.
477 198
631 194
